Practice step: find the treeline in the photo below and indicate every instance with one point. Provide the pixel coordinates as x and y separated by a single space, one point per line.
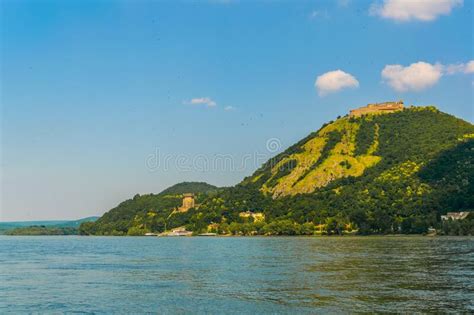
43 230
325 213
458 227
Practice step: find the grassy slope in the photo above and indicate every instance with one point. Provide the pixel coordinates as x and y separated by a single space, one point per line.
416 134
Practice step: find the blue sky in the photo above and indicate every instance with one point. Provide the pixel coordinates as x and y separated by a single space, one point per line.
94 91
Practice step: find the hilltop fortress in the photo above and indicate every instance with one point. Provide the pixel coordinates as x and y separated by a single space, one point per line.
377 108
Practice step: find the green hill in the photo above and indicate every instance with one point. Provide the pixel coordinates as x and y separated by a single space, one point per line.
378 173
352 147
145 213
186 187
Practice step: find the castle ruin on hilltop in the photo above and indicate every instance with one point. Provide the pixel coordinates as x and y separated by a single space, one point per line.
188 202
377 108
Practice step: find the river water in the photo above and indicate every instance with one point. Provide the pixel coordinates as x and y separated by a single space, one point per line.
57 274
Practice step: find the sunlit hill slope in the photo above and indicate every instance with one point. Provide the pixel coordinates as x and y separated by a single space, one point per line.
393 171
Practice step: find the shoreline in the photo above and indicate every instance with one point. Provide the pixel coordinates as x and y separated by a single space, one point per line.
249 236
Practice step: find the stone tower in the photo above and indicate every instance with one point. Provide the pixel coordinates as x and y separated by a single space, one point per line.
188 202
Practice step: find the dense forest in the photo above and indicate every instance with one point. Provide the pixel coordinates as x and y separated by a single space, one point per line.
375 174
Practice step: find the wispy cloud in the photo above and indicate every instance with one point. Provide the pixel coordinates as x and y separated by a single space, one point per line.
408 10
229 108
207 101
343 3
334 81
319 14
460 68
222 1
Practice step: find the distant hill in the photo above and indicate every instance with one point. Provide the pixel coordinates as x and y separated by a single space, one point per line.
189 187
76 223
372 173
6 226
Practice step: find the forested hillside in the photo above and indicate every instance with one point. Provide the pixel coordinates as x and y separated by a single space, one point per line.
145 213
381 173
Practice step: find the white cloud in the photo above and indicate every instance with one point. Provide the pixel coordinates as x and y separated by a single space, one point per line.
207 101
415 77
407 10
421 75
229 108
334 81
316 14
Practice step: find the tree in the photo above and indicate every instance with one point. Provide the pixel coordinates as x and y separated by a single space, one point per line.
136 231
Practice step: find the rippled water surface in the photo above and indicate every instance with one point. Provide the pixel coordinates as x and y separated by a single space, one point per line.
236 275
